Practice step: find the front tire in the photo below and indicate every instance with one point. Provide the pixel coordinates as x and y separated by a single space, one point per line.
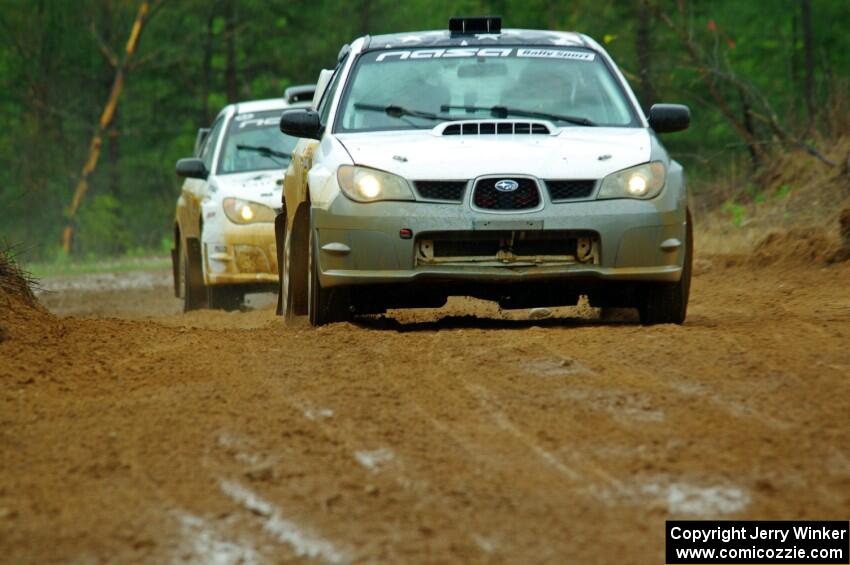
664 303
325 305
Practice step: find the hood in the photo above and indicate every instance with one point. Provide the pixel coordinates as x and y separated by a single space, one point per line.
263 187
573 152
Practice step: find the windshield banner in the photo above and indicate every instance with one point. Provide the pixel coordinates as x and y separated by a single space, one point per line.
463 52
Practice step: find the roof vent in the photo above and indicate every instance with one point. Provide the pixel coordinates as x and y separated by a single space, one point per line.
471 26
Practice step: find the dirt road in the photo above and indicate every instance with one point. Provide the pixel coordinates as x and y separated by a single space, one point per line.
462 435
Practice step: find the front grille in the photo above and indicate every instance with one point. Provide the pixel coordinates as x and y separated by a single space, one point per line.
570 189
451 190
480 244
507 247
486 197
497 128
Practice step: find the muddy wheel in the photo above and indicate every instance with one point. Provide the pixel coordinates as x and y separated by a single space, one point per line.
326 305
292 294
668 303
225 297
191 277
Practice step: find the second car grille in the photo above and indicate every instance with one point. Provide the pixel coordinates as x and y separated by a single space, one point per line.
451 190
486 197
569 189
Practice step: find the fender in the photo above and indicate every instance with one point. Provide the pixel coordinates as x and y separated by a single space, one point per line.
295 188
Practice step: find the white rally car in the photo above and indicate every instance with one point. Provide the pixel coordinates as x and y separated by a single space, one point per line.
509 165
224 242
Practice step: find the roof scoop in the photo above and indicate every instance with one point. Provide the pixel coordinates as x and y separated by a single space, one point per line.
471 26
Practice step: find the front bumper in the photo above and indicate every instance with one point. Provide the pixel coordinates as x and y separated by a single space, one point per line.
241 254
361 244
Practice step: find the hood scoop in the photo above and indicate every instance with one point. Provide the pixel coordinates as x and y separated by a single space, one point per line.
495 127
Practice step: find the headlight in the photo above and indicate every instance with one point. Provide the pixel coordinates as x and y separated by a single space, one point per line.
369 185
644 181
241 211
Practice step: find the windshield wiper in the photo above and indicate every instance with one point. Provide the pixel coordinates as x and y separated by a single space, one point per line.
395 111
264 151
502 112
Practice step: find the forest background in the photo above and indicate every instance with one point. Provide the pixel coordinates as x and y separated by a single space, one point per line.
84 165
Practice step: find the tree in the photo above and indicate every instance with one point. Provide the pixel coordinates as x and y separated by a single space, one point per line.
808 50
643 48
230 73
122 67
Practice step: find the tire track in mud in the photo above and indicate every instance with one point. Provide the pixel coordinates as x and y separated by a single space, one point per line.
694 499
375 447
499 470
348 442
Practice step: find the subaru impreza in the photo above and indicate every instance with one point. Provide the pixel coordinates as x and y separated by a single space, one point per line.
509 165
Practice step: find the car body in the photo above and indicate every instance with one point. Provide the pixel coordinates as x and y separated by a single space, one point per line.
510 165
224 219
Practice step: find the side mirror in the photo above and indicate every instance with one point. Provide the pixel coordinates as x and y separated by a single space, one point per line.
192 169
301 122
667 118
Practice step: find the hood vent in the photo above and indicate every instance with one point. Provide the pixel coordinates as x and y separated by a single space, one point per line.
496 127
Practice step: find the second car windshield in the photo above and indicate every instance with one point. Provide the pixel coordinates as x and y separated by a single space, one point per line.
418 88
254 143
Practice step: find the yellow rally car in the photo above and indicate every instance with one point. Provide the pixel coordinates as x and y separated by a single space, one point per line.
224 243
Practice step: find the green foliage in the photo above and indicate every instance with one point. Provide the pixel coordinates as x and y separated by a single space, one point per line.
54 81
102 229
783 192
736 212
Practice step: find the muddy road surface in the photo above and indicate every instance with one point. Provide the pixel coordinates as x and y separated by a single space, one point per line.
132 432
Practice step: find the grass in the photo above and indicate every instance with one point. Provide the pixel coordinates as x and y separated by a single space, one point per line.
14 280
113 265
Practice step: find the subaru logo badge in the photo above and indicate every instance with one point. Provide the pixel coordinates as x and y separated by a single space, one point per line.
506 185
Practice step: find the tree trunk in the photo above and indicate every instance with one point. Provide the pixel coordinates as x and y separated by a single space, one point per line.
808 53
793 59
365 16
230 72
643 48
552 15
747 112
106 119
206 70
113 153
40 92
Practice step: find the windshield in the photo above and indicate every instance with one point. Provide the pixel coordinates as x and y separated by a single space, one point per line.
254 143
419 88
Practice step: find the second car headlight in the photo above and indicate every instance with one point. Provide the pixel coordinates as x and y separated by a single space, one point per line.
644 182
241 211
363 184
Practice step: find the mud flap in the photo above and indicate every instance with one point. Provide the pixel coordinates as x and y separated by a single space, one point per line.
175 269
280 241
292 298
300 247
196 293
